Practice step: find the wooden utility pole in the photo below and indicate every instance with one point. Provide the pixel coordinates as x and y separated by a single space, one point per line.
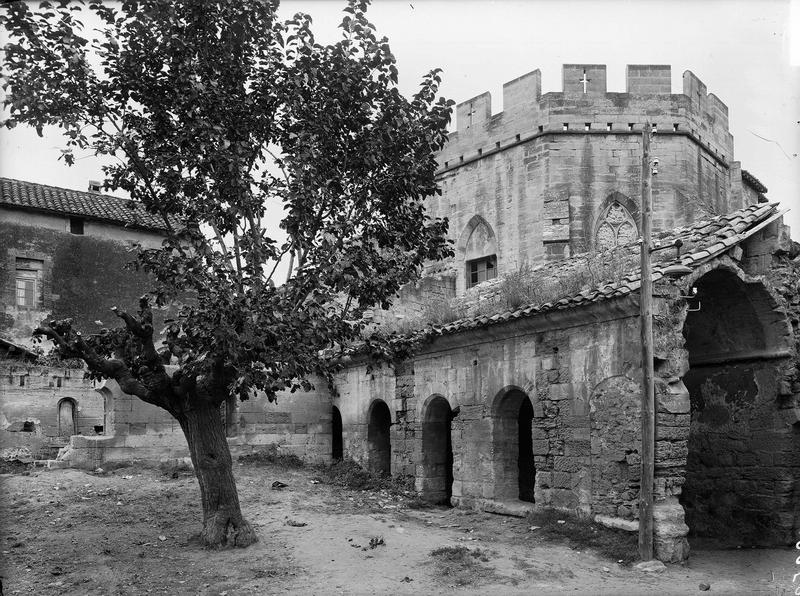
648 396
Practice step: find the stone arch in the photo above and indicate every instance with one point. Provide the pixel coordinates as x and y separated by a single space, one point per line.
616 223
739 477
379 443
67 417
477 243
108 407
512 445
436 480
337 439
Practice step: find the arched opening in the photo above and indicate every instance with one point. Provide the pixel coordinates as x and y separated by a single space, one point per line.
379 444
477 249
735 491
67 420
337 442
514 471
437 451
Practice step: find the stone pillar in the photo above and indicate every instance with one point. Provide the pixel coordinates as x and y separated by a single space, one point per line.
670 543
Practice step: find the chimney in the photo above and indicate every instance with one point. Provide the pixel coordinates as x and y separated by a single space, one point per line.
95 185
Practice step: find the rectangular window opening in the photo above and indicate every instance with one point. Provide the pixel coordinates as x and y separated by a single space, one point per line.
541 128
76 226
497 145
675 127
480 270
480 152
517 137
28 282
587 126
630 125
608 125
565 126
461 158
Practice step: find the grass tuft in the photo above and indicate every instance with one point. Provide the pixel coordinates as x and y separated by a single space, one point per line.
460 565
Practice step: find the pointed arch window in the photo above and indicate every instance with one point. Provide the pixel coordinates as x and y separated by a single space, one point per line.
480 252
616 228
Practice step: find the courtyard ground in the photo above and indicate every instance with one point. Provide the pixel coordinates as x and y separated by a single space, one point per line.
131 531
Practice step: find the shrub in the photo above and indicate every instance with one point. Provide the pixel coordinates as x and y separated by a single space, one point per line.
272 456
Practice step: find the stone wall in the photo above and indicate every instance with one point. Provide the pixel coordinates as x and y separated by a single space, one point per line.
543 172
735 420
82 277
41 407
298 424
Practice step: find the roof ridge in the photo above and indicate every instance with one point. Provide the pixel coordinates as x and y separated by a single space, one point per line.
624 286
85 192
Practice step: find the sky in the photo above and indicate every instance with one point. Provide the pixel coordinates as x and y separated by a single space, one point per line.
746 52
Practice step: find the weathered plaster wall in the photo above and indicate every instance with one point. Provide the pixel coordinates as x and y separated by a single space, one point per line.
32 394
82 277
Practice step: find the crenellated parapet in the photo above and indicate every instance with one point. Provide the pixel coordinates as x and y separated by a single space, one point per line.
584 106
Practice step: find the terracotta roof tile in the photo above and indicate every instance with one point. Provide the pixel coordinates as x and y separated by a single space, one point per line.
702 241
91 205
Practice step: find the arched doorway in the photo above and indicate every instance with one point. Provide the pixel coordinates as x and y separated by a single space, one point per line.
735 490
437 451
337 443
66 418
379 444
514 471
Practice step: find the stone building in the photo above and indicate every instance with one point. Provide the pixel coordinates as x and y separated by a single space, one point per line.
531 399
523 385
63 254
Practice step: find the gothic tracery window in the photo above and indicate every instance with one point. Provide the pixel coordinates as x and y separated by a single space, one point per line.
616 228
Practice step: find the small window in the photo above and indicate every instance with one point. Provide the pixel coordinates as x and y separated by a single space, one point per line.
497 145
76 226
630 125
518 137
565 126
481 270
675 127
480 152
541 128
587 126
608 125
28 282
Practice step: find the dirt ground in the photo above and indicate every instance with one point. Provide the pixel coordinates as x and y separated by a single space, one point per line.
131 531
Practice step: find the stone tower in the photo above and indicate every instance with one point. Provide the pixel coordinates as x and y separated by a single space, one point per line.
559 173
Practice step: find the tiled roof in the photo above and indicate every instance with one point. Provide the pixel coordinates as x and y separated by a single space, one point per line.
13 348
702 242
92 205
753 181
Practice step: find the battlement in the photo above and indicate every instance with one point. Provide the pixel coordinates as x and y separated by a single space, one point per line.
585 104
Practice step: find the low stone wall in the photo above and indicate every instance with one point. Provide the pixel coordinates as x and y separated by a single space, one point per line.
41 407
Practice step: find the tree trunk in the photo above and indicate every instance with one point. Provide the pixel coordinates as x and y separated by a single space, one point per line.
223 524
